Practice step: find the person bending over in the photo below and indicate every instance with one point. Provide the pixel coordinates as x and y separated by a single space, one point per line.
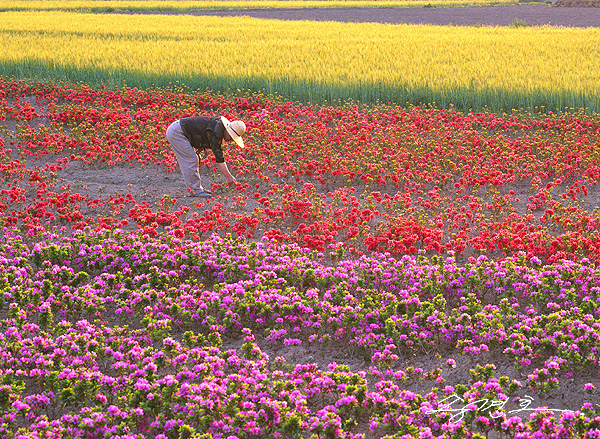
190 135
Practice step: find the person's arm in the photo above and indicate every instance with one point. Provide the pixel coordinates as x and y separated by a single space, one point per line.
215 145
225 171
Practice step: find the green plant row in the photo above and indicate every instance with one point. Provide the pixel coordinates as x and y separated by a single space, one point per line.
459 98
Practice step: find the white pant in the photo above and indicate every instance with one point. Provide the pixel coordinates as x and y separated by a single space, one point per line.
186 156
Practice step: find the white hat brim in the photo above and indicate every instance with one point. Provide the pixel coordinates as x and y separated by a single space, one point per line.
237 139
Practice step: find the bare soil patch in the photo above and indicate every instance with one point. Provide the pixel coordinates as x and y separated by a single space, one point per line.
531 14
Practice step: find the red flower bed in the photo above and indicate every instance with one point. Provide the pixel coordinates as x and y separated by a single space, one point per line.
371 179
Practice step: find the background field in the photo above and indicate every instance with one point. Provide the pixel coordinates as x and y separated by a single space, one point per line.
501 68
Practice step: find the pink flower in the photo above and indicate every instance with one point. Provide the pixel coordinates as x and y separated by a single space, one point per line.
19 405
292 341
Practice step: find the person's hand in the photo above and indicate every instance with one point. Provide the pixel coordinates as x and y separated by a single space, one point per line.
233 182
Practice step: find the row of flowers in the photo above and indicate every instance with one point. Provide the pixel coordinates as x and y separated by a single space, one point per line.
382 178
122 335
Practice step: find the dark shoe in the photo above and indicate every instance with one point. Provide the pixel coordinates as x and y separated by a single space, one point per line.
201 194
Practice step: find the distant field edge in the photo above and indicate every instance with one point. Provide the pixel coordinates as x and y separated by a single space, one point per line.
104 6
310 92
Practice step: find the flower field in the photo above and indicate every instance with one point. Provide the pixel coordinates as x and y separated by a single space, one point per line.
501 68
384 271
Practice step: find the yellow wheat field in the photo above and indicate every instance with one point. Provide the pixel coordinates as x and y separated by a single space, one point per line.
132 5
247 51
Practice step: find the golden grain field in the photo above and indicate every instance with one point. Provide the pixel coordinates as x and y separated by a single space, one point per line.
449 65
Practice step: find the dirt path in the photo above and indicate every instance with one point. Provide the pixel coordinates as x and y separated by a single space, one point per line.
530 14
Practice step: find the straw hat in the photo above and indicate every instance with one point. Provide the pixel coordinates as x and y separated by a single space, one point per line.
235 129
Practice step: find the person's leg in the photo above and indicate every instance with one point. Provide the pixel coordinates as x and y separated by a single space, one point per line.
186 156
